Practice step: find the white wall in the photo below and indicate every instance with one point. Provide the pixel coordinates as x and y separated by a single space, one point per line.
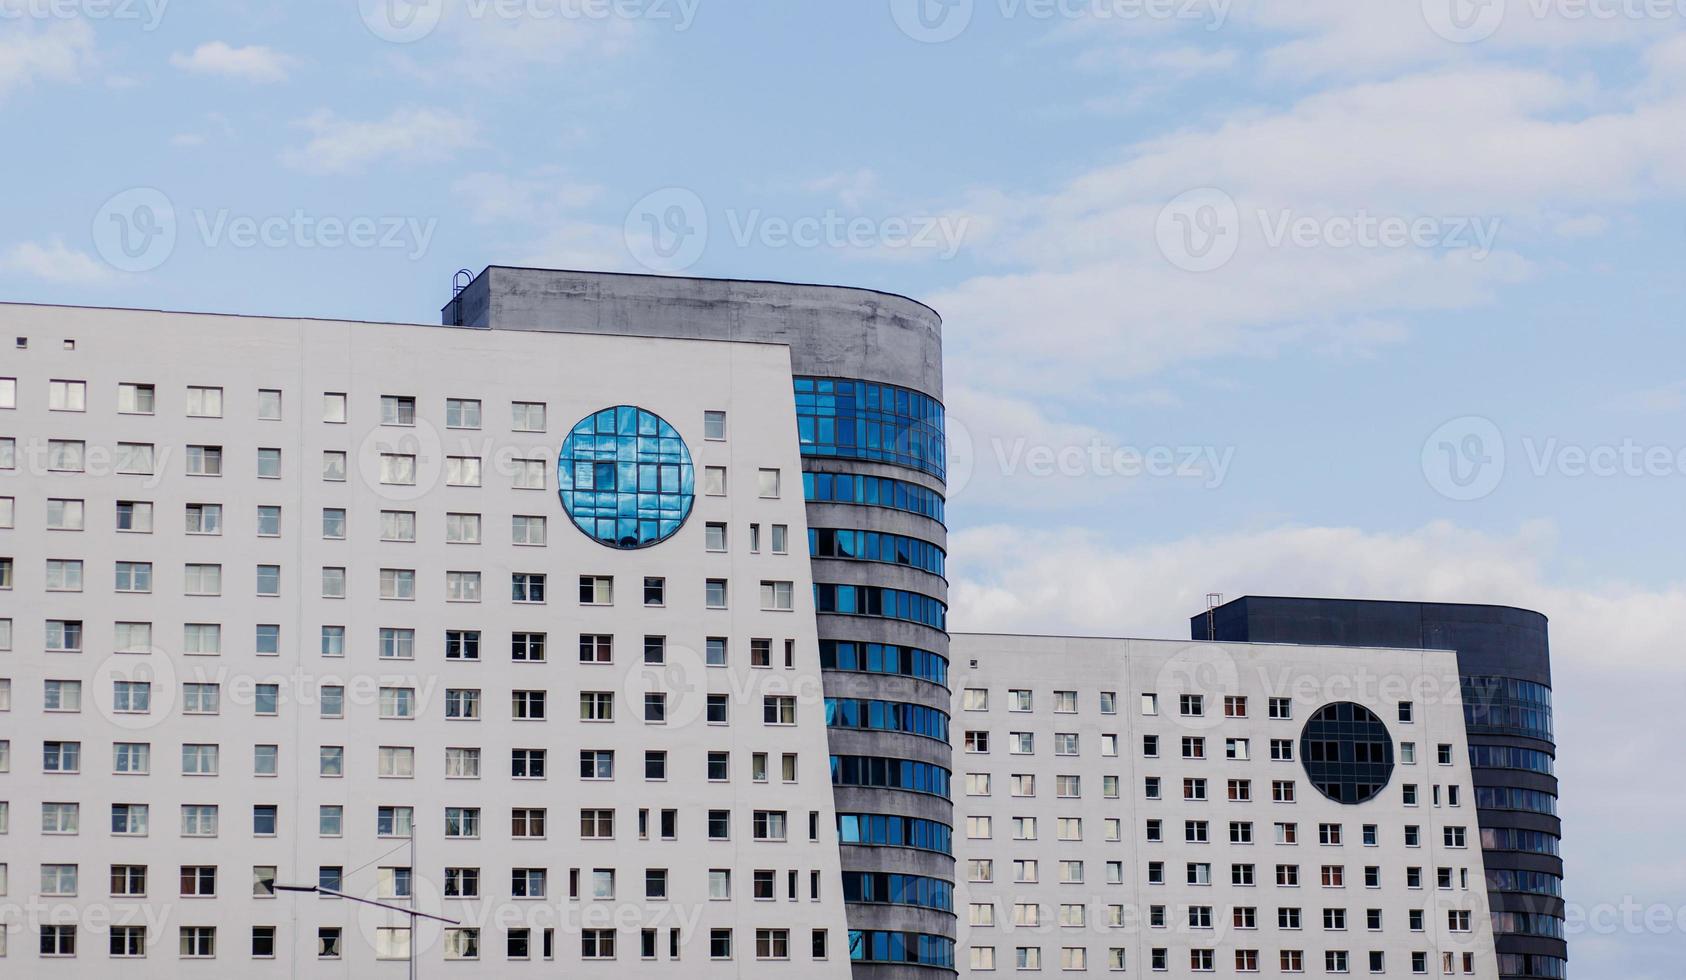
574 375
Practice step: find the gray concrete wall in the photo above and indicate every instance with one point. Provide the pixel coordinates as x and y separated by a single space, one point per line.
833 331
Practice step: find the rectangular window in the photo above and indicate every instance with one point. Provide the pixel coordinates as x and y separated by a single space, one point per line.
204 402
398 410
204 461
134 516
777 596
527 416
269 405
136 399
462 413
526 530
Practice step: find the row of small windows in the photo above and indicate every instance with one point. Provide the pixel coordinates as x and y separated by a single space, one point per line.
206 579
1073 958
872 600
887 716
1028 915
398 882
884 658
887 888
1193 747
400 703
1028 871
894 549
873 491
394 643
392 943
60 818
882 773
865 420
1188 705
207 401
1200 832
399 762
395 469
890 830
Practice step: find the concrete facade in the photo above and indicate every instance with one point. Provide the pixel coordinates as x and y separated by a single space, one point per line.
834 334
1504 659
401 739
1142 878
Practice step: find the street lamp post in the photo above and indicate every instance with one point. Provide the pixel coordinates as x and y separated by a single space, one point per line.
412 913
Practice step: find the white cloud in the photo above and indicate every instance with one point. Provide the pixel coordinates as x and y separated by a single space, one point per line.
545 215
851 188
57 53
410 135
539 197
254 63
1086 296
55 262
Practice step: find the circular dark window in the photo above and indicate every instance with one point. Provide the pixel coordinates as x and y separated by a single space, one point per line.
626 477
1347 752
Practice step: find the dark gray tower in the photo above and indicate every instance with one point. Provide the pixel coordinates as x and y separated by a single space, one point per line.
1504 663
868 389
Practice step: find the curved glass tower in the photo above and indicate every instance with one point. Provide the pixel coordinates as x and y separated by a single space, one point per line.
867 374
1504 666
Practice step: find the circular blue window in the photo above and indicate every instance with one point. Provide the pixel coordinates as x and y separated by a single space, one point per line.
626 477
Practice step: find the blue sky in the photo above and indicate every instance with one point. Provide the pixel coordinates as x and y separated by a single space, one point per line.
1350 261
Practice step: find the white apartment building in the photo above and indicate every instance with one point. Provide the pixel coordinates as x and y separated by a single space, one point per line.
1165 807
293 602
